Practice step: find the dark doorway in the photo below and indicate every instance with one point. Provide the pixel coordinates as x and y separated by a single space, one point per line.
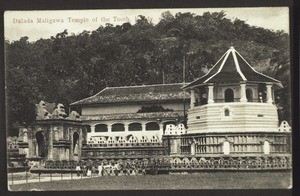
75 141
40 138
262 92
229 95
249 95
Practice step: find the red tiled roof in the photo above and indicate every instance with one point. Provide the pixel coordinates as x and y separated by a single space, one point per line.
144 93
232 68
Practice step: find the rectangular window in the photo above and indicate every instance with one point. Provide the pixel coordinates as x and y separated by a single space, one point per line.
260 115
197 117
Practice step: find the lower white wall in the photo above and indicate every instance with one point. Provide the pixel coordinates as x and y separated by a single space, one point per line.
243 117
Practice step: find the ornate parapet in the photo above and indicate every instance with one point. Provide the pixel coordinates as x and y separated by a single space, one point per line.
284 127
229 144
172 129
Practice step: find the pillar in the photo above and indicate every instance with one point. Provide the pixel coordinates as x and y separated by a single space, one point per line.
269 93
243 92
50 144
144 127
71 152
193 98
36 149
92 129
109 128
80 143
126 126
161 128
210 94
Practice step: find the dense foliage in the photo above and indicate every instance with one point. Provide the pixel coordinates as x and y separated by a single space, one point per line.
66 68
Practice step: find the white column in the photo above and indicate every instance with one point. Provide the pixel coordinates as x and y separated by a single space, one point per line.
109 128
210 94
50 144
126 126
269 93
193 98
143 127
92 129
161 128
243 92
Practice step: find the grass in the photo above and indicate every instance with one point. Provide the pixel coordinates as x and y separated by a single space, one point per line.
205 180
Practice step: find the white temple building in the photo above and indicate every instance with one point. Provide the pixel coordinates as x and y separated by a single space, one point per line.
232 97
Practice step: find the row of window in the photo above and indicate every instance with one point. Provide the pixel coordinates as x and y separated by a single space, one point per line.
151 126
229 95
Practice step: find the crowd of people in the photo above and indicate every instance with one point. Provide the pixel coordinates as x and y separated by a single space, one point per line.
107 169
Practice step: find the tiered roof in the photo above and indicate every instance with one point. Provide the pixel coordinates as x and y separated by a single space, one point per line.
144 93
232 68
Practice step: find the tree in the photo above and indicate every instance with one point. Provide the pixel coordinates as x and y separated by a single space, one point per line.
66 68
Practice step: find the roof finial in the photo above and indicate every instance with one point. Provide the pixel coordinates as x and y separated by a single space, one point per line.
231 47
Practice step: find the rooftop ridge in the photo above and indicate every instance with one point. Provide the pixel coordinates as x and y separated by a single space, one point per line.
88 97
107 93
237 65
221 67
111 87
256 70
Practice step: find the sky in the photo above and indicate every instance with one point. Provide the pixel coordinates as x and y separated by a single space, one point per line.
38 24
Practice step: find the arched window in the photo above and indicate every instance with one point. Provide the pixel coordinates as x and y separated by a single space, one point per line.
152 126
229 95
101 128
226 112
117 127
249 95
266 147
135 127
226 147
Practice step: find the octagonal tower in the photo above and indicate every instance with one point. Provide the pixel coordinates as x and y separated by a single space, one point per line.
232 97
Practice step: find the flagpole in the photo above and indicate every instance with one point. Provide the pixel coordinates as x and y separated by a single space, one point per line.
183 78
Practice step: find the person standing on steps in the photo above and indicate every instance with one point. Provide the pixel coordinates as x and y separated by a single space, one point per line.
100 169
78 169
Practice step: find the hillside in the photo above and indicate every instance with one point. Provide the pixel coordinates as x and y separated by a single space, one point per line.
66 68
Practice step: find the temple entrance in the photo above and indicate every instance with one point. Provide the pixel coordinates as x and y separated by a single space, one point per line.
41 144
229 95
